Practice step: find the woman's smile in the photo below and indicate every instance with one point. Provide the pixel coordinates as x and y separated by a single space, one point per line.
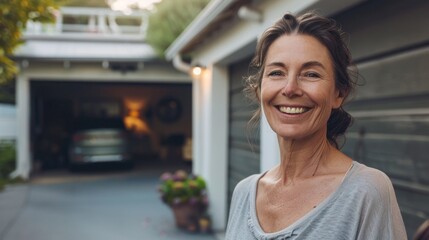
292 110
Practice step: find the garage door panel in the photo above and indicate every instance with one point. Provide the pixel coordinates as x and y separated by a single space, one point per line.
407 126
243 157
410 101
243 113
397 155
239 100
386 77
378 33
419 200
238 72
245 144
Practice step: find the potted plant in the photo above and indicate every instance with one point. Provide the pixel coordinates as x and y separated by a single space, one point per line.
186 195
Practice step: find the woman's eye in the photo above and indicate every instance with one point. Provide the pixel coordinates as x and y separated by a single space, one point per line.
275 74
311 75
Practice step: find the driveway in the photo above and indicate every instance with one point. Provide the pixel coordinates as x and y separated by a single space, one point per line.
111 206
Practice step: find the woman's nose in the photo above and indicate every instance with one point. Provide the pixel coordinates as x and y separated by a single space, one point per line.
292 88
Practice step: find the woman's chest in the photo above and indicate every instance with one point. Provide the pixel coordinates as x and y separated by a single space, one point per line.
280 207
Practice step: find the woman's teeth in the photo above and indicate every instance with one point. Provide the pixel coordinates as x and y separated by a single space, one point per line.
292 110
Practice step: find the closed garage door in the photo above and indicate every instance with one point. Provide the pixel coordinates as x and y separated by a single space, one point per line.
243 158
391 110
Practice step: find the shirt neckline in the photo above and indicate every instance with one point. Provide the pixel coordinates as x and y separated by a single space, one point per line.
253 221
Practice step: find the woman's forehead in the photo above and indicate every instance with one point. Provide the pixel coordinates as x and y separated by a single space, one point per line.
297 48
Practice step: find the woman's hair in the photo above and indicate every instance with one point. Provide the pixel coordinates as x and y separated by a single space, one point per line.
330 35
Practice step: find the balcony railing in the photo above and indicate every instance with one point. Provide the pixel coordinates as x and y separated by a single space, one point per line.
93 23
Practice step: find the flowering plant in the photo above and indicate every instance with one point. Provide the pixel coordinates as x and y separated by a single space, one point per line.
180 187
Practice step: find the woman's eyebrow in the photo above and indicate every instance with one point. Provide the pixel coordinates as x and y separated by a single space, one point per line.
276 64
305 65
313 64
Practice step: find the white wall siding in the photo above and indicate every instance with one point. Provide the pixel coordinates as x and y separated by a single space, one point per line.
7 122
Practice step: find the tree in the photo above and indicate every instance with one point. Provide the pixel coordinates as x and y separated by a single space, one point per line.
14 15
168 19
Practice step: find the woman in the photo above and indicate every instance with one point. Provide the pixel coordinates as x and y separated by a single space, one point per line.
316 192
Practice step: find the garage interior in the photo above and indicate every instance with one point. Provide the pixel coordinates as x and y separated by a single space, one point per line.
158 117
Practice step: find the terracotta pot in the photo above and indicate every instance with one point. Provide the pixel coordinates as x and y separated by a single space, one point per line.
186 214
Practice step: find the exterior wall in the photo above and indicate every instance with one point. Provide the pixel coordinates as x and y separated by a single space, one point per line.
391 109
7 122
211 136
77 71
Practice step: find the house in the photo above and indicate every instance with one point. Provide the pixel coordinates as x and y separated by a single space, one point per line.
389 41
88 64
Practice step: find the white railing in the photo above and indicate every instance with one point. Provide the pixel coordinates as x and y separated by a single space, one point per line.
90 22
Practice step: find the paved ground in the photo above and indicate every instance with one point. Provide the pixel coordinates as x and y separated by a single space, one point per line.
111 206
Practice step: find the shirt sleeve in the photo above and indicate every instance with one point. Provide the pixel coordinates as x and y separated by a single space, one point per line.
237 212
380 215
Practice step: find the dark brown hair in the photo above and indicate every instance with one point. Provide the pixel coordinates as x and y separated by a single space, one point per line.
327 32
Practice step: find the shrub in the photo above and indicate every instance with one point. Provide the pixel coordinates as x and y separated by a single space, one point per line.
7 159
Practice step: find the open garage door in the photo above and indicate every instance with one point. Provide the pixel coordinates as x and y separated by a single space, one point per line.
157 117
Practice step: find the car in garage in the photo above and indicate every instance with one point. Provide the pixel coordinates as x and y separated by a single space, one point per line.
99 140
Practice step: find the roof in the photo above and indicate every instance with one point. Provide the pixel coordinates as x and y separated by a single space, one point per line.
221 13
208 22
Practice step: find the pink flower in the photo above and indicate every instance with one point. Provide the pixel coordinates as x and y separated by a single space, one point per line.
180 175
166 176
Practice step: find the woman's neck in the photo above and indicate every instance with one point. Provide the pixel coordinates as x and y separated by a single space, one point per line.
301 159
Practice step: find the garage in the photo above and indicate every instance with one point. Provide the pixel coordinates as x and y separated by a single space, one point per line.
157 116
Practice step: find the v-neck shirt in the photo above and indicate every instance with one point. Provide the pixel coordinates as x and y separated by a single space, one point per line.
363 206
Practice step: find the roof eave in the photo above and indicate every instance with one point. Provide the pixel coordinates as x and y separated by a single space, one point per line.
206 16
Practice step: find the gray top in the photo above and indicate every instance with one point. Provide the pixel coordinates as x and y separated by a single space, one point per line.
363 207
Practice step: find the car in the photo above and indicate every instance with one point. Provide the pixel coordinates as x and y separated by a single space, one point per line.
99 140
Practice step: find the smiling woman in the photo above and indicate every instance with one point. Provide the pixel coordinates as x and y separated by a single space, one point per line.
298 87
316 191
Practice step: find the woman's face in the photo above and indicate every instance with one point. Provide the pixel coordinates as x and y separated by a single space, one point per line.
298 87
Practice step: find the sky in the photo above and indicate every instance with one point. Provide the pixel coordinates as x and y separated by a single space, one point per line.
124 5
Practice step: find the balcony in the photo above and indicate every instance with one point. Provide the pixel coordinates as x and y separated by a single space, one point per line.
88 34
91 23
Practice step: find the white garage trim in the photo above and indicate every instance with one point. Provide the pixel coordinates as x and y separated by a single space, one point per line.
212 139
23 163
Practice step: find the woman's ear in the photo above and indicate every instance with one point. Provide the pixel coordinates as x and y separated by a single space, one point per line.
340 96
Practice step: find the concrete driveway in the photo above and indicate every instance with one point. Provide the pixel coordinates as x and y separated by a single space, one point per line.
113 206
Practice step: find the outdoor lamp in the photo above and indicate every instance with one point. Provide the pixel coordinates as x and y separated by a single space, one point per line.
197 70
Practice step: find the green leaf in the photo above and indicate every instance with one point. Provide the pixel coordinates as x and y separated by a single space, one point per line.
14 15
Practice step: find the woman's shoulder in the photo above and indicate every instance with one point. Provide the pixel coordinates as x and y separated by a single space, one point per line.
371 179
244 186
369 174
242 192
